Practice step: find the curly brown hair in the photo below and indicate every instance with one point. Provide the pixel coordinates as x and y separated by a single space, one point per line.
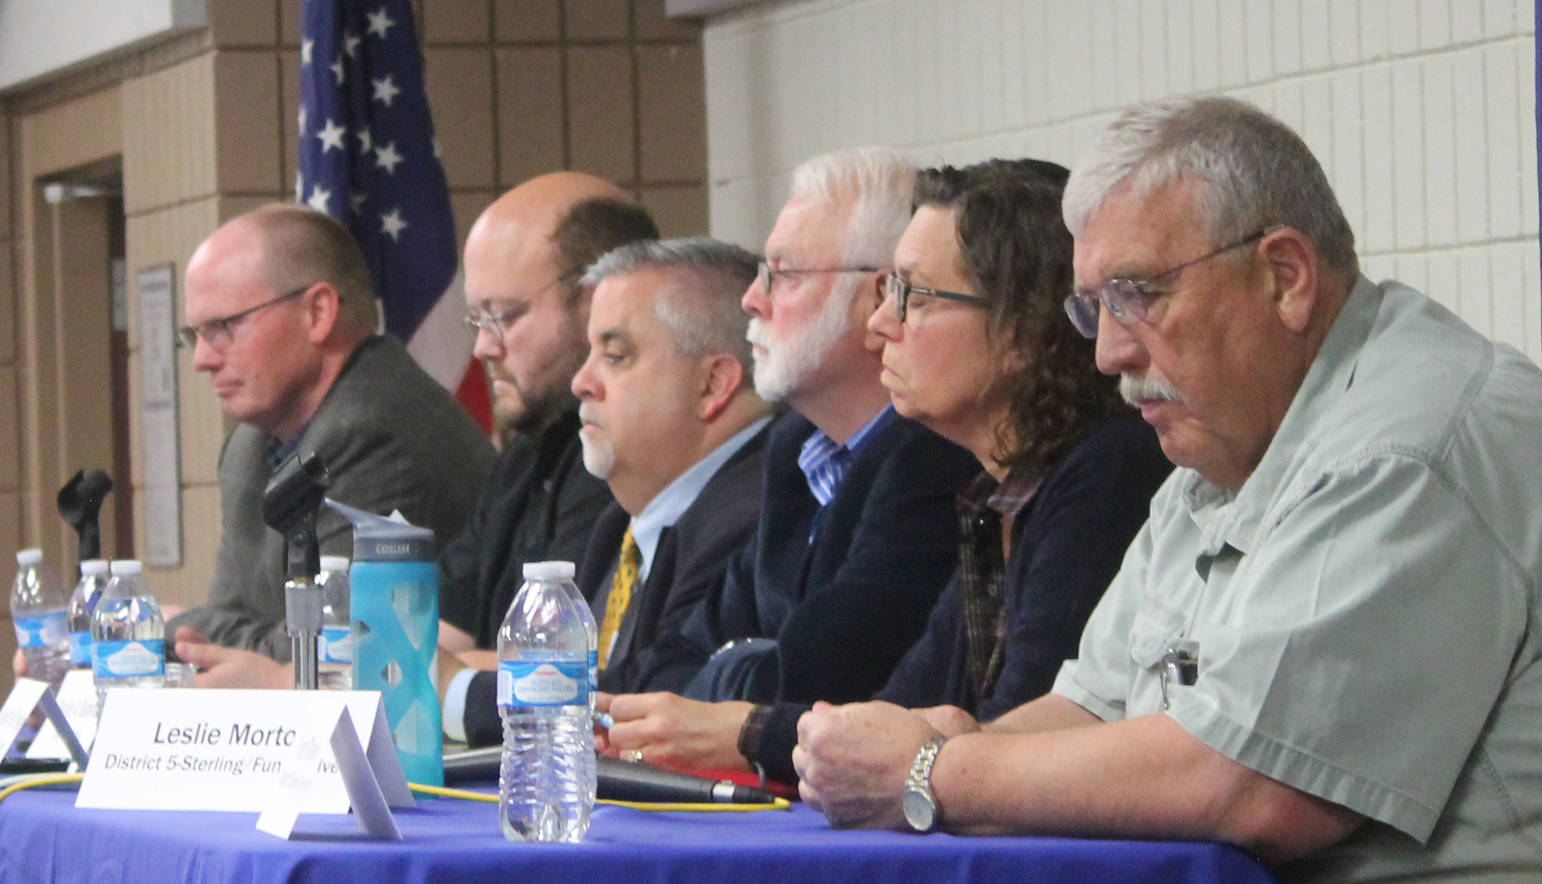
1016 252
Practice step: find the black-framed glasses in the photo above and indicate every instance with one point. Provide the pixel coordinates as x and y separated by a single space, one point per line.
900 289
767 277
217 332
1128 300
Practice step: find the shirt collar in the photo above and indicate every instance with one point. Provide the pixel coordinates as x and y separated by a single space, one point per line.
824 461
1233 518
1005 498
668 505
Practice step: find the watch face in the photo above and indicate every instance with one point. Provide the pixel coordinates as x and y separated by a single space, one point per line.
920 812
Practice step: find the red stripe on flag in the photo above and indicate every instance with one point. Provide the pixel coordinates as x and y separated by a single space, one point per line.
474 395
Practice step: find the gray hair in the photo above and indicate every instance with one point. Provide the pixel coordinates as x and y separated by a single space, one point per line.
875 185
1254 173
702 318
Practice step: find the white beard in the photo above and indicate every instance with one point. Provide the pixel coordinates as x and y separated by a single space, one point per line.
787 365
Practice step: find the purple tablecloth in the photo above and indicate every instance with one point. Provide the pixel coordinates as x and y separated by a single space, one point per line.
43 837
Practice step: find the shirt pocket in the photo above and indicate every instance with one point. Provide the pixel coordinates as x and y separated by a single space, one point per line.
1152 633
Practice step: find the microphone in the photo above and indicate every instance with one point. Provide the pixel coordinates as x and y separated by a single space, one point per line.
636 781
620 780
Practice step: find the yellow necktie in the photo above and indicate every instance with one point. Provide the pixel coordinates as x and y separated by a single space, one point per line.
620 594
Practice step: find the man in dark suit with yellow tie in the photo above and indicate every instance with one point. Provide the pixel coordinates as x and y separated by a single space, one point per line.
671 422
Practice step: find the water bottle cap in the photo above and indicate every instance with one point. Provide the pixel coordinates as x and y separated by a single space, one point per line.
29 556
126 567
334 563
548 570
93 566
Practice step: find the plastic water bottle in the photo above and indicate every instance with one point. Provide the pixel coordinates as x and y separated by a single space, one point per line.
93 579
547 777
335 656
592 629
128 634
38 611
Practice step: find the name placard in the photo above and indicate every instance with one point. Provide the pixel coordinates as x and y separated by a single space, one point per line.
18 708
230 750
77 699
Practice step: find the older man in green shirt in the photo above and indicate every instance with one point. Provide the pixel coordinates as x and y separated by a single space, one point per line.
1324 645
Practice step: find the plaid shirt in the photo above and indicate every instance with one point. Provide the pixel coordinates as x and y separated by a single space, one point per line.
986 511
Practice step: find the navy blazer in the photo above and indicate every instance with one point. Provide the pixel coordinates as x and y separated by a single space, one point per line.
842 606
688 563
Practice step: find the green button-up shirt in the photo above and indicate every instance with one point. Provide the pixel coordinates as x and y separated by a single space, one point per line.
1365 606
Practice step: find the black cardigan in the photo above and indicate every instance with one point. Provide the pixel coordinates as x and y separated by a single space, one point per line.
1067 544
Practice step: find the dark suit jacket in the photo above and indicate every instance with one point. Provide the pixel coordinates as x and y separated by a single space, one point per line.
844 606
688 563
1067 544
540 504
391 437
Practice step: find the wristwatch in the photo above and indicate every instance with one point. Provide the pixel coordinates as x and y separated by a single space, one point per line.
919 803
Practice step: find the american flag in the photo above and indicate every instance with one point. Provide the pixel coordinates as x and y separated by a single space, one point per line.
368 158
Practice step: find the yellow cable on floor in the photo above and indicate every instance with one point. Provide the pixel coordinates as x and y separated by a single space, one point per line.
776 803
50 779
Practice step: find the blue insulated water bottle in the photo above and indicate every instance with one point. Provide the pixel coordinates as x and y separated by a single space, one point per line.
394 612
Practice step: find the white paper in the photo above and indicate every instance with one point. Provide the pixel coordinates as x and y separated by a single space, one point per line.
77 699
224 750
17 708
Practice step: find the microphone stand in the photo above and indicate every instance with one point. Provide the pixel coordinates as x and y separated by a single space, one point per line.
289 506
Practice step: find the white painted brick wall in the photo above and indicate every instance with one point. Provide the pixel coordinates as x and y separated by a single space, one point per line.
1422 111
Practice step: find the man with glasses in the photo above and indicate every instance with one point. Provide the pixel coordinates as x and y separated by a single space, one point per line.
673 427
1323 646
857 535
281 315
525 256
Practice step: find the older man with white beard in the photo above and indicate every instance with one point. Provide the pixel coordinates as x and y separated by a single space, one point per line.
857 533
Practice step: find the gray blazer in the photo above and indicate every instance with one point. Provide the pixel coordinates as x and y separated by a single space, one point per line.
391 437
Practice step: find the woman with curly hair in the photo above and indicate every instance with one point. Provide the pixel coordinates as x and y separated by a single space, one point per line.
976 346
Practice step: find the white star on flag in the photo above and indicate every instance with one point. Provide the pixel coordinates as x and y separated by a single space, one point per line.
385 90
319 198
380 22
391 223
361 88
387 157
331 136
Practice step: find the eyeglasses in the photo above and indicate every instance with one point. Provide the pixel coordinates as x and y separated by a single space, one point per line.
900 289
767 277
217 332
496 323
1127 300
478 321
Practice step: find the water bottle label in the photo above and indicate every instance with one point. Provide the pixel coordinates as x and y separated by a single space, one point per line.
336 645
44 630
543 682
129 659
594 670
80 648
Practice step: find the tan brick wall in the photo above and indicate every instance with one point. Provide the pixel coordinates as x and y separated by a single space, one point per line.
204 128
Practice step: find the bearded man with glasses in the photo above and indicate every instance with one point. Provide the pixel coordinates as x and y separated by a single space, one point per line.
281 315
